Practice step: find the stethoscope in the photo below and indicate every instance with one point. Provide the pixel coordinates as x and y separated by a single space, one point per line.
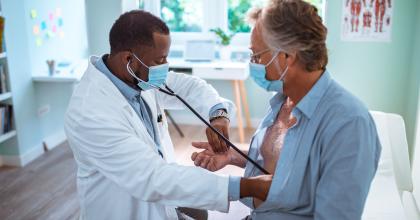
169 92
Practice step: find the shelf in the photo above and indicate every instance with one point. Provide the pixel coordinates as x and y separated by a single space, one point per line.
3 55
7 136
5 96
56 78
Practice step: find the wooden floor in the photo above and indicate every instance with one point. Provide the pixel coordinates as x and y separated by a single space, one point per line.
46 188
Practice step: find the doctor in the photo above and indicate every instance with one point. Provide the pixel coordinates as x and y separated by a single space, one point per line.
119 136
318 140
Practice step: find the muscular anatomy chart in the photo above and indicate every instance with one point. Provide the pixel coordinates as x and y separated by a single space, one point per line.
367 20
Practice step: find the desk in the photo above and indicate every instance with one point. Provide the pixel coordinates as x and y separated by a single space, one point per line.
236 72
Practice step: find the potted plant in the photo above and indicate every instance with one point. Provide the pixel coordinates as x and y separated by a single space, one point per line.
224 42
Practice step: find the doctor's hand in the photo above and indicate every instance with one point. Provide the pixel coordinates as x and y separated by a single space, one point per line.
208 159
217 143
257 187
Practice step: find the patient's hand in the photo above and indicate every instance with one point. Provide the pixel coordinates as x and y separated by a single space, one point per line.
208 159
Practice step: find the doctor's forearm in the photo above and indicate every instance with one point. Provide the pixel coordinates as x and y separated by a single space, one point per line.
257 187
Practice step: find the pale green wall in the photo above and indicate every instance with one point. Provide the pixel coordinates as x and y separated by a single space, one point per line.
414 82
377 73
73 47
17 34
26 59
100 16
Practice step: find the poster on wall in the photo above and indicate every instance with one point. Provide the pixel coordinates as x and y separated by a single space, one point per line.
367 20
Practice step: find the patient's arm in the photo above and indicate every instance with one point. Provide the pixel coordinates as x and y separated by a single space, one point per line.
212 161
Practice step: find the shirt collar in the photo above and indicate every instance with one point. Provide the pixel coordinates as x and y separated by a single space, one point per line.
128 92
310 101
277 99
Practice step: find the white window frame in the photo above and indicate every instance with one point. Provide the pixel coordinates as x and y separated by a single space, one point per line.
210 7
240 41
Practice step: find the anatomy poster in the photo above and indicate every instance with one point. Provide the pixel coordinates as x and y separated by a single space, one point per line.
367 20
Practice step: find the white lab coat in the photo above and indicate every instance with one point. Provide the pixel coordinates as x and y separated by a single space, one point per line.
120 173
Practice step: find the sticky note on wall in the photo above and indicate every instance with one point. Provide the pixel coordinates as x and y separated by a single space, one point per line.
38 41
43 25
61 34
58 12
50 34
34 14
35 29
60 22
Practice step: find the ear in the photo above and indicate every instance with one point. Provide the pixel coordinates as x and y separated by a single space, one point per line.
291 59
126 56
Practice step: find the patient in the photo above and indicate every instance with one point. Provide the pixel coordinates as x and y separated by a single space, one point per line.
318 140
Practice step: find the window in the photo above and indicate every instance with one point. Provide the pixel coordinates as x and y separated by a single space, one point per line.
237 12
141 4
192 19
182 15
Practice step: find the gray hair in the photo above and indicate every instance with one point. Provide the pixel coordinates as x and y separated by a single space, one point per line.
294 27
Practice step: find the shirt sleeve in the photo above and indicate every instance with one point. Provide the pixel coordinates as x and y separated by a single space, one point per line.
197 92
348 164
234 188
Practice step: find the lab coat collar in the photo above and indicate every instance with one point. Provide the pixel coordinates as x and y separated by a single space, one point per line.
129 92
119 100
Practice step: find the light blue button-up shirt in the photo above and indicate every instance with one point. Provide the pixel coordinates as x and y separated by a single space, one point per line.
328 159
143 111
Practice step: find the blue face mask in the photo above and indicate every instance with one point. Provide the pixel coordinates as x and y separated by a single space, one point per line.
157 75
258 72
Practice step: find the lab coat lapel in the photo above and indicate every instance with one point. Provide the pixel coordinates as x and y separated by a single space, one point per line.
148 97
137 123
115 96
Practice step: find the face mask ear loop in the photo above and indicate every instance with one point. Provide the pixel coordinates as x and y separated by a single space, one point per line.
138 79
284 73
272 59
140 61
131 72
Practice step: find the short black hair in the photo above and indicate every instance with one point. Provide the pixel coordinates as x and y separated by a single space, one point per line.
135 28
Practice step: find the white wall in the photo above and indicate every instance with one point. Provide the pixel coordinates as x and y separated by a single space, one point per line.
27 59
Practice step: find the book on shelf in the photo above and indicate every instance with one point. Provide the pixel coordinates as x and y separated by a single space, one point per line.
6 118
3 80
2 44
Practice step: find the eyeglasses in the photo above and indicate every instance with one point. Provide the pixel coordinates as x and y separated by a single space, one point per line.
256 57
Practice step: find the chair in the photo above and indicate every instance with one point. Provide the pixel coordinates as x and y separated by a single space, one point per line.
393 177
411 197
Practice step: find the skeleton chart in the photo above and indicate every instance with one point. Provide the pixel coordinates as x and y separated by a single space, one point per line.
367 20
